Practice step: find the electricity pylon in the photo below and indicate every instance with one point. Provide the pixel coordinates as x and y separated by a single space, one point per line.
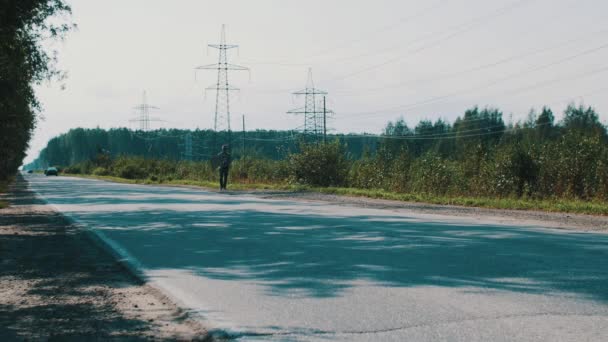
314 115
143 110
222 88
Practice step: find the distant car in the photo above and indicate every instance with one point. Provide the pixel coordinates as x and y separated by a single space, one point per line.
51 171
30 171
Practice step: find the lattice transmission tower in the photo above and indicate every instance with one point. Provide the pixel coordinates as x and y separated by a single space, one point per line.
315 114
222 88
143 110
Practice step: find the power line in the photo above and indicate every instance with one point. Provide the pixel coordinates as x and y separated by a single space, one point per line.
414 137
464 28
360 38
561 79
271 139
467 26
478 68
490 84
453 135
450 29
446 75
571 99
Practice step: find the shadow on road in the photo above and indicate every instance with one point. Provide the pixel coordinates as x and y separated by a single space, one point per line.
322 255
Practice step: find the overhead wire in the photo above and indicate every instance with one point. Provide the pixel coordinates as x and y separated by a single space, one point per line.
456 135
360 38
465 28
484 86
502 61
452 135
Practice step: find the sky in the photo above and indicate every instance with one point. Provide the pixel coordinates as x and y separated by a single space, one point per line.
378 60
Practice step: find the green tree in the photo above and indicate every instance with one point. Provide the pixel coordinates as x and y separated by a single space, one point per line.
584 121
24 25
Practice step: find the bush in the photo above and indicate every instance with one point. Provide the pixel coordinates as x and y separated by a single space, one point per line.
432 174
129 168
74 169
577 159
319 165
515 171
101 171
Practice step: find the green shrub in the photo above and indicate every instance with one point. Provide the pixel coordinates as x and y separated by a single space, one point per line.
432 174
100 171
130 168
319 165
577 160
74 169
515 172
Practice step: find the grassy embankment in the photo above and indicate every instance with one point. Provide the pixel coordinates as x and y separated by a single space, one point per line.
557 205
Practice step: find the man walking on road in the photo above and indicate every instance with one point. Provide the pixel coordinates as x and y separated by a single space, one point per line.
225 161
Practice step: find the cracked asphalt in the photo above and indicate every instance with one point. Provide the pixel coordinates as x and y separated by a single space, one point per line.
253 268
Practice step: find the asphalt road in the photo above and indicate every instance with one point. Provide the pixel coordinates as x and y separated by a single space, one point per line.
261 269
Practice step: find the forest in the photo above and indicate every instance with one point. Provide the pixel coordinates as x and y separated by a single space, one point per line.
476 155
81 144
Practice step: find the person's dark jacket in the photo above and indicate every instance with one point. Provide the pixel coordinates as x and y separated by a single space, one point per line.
224 159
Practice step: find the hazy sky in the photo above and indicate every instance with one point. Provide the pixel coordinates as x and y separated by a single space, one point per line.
379 60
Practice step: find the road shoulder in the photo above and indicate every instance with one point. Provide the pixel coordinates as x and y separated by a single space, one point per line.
58 284
577 222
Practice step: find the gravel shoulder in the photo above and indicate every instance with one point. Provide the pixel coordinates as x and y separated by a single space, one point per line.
482 215
569 221
57 284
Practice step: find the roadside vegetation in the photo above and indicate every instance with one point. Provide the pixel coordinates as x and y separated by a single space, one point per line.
24 26
478 161
3 190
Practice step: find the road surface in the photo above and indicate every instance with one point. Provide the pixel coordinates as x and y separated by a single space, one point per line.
264 269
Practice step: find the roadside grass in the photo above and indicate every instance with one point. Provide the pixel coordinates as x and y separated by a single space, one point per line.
238 186
557 205
201 184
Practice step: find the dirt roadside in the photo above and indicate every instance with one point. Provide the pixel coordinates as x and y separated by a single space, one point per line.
57 284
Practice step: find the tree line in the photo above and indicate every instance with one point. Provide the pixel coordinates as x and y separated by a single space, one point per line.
476 155
81 144
24 25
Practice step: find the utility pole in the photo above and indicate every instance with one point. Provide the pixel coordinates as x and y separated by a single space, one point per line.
143 110
312 116
221 120
188 146
324 122
243 139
